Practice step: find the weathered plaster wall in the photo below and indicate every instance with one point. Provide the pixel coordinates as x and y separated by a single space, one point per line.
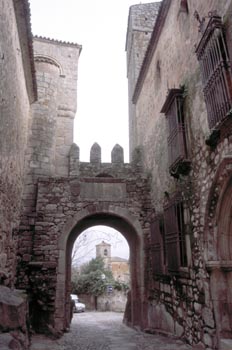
15 114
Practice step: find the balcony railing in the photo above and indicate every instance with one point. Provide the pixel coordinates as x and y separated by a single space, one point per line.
215 68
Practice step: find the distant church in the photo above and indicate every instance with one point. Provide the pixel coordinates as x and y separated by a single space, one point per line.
120 267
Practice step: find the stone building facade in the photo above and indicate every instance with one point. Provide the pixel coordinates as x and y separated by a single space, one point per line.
141 21
17 93
120 267
181 123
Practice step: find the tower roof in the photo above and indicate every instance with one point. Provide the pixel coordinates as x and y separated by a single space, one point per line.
103 244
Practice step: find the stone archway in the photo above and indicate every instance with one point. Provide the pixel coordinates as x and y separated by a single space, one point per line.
129 227
219 249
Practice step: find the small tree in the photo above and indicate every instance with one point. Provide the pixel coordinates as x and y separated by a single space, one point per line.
93 278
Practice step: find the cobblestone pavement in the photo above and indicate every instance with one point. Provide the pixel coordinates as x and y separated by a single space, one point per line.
105 331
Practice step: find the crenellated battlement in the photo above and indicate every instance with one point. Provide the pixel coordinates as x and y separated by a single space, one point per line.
96 168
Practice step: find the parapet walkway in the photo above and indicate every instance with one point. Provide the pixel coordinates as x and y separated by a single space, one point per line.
105 331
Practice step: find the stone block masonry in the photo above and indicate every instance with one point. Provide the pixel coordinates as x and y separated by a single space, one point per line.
101 190
16 94
141 22
193 300
56 66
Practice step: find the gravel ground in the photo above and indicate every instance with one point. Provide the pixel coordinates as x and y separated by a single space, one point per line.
105 331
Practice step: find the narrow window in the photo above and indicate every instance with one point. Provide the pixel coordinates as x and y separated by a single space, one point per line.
184 6
177 146
105 252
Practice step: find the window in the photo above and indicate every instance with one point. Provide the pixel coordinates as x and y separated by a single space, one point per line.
175 234
215 69
184 6
105 252
158 250
177 150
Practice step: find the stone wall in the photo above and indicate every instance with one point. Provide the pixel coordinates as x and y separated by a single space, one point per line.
174 70
16 94
141 21
115 301
51 129
99 188
56 68
183 304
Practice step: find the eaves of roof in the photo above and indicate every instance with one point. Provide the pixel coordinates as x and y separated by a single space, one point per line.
118 259
160 20
58 42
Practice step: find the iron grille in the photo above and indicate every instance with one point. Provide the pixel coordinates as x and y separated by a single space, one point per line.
175 235
215 69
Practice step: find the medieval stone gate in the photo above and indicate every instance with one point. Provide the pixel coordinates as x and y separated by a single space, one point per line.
113 194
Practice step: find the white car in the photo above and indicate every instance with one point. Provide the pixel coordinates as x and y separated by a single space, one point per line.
77 305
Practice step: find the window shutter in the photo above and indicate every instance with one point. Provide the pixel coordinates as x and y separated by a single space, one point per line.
172 237
176 138
173 109
156 247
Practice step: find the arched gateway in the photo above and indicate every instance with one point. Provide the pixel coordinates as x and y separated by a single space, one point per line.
121 220
112 194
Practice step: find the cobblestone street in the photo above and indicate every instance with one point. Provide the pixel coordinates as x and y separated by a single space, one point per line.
105 331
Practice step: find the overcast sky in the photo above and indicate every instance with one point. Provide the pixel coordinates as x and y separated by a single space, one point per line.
85 246
100 27
102 113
